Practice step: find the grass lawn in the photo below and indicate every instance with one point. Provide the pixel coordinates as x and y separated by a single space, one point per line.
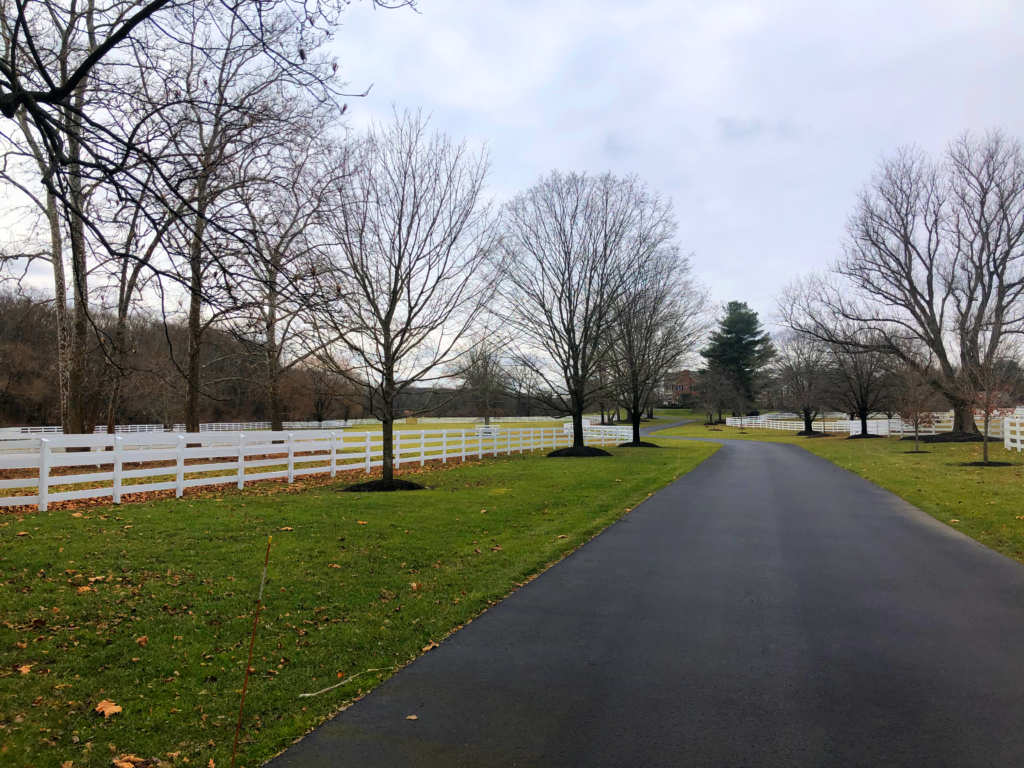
677 413
151 605
986 503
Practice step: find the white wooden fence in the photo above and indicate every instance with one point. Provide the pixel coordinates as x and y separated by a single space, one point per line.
288 426
113 465
941 422
1013 433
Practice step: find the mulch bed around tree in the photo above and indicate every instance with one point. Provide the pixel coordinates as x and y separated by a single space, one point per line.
950 437
577 452
374 486
990 464
641 444
812 433
863 437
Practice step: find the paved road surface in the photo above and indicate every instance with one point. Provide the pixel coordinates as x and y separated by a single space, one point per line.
767 609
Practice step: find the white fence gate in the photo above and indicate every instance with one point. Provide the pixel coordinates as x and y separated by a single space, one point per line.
112 465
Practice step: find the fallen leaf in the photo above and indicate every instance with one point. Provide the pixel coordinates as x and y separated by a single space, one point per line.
142 641
563 536
107 708
412 717
415 585
428 647
67 764
496 548
286 529
76 514
211 764
954 520
334 565
25 668
83 590
361 522
23 533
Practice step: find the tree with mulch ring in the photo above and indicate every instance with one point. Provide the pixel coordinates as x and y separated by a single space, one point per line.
812 433
374 486
950 437
577 451
917 451
987 464
863 437
638 444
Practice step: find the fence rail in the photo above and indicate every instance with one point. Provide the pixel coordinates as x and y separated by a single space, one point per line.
288 426
72 467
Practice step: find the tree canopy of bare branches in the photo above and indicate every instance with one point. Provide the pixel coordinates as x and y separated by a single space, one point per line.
933 258
569 243
662 315
409 269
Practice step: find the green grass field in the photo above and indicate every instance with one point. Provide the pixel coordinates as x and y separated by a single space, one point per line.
150 606
986 503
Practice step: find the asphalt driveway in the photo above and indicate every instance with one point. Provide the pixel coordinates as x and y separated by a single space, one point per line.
767 609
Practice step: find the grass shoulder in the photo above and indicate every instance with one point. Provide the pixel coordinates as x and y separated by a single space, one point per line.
986 503
151 605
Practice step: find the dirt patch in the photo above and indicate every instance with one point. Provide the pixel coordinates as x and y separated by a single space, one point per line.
383 486
641 444
577 452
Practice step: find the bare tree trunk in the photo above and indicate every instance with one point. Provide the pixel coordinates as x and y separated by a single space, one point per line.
577 427
636 425
963 418
61 306
808 422
195 319
80 292
273 362
917 437
863 422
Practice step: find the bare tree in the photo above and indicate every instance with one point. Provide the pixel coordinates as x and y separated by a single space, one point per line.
934 257
861 381
801 375
410 269
569 243
662 315
916 398
483 371
286 214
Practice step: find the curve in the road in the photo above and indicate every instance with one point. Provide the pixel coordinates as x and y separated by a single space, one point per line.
766 609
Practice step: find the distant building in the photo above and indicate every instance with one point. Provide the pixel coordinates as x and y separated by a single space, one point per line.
681 386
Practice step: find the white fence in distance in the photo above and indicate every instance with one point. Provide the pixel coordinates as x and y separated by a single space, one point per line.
289 426
113 465
941 422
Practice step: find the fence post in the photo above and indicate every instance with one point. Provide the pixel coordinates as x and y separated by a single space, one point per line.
334 453
179 484
117 471
44 473
463 451
369 452
291 459
444 446
423 447
398 447
241 460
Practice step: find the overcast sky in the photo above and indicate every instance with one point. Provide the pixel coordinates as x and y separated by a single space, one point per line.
760 119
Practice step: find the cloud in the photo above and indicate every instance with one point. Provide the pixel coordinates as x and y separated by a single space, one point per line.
759 118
